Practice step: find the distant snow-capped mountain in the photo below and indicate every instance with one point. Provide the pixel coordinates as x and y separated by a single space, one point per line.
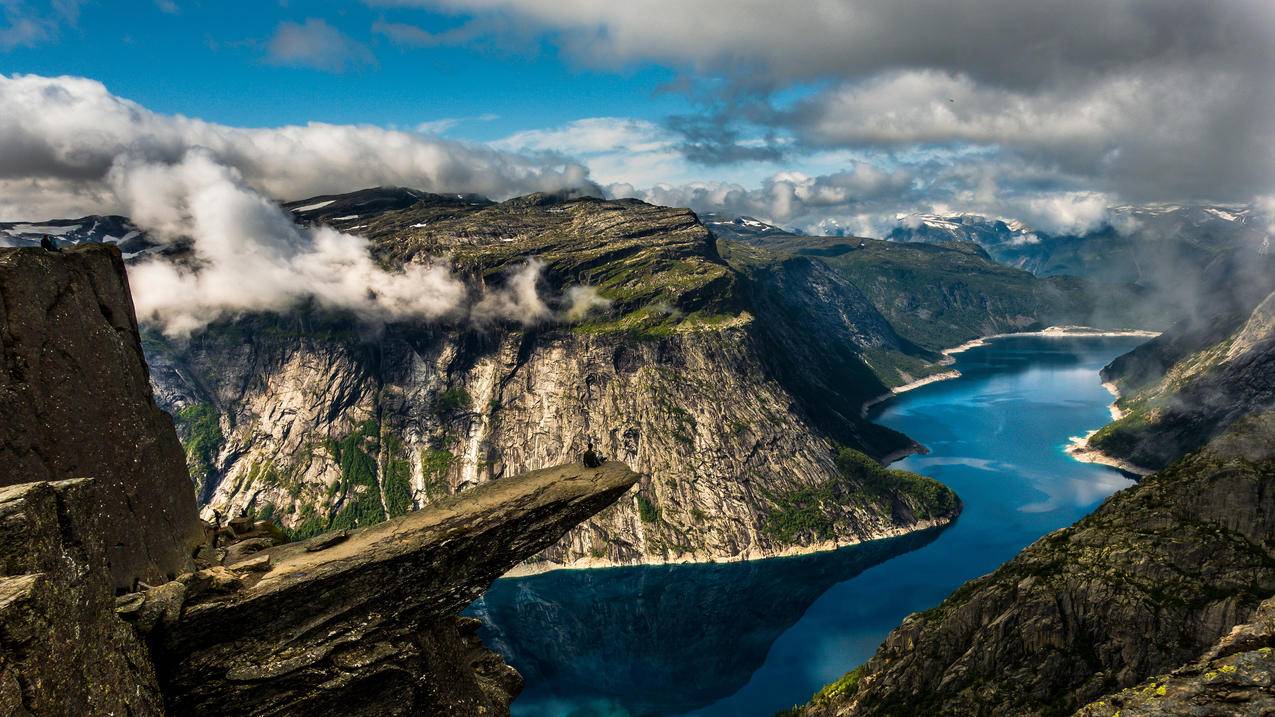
94 229
1137 243
742 227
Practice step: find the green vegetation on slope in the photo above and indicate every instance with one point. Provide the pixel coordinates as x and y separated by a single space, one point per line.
397 477
1188 385
358 492
811 513
201 426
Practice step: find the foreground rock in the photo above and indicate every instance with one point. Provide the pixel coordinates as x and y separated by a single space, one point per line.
369 625
75 401
1234 679
1148 582
62 649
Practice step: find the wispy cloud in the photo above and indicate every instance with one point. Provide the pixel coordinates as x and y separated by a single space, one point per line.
444 124
317 45
28 25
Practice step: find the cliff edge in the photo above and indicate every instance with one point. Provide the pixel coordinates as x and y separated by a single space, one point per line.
114 600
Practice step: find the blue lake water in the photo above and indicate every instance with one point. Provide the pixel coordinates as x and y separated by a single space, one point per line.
753 638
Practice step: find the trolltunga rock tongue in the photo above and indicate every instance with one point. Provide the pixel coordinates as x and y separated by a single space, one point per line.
368 625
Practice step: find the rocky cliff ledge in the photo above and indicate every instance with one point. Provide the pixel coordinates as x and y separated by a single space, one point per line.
360 622
1234 679
365 623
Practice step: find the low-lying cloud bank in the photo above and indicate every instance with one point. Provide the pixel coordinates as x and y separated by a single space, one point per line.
250 256
867 201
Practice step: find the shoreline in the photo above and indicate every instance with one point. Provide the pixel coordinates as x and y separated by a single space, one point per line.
932 378
524 570
1116 413
1061 331
1079 450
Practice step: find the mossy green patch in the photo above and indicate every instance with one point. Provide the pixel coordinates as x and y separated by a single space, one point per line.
811 513
201 425
648 511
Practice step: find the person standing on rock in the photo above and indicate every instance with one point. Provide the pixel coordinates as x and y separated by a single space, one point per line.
47 243
591 459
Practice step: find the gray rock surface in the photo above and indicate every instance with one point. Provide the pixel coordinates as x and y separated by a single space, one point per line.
1236 678
75 401
63 651
368 625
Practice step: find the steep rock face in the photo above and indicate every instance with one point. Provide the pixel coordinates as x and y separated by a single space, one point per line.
411 422
63 651
1149 581
75 401
319 422
1236 678
367 624
1190 385
825 329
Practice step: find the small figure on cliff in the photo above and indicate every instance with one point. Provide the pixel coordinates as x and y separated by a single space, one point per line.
216 535
47 243
591 458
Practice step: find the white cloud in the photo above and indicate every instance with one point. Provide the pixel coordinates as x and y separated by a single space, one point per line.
59 137
445 124
583 301
249 256
518 300
28 24
615 149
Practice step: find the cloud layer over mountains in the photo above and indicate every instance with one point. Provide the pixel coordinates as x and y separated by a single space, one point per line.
251 256
61 136
70 148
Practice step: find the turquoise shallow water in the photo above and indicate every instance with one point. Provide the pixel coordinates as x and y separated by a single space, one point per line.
753 638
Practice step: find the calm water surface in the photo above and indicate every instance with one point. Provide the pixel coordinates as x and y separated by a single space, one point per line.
753 638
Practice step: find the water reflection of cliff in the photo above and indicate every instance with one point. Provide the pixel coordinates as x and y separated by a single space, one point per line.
657 640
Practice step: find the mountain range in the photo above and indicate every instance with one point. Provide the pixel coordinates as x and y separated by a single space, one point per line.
724 359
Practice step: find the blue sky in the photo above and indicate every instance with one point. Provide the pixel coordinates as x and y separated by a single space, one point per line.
822 115
206 62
